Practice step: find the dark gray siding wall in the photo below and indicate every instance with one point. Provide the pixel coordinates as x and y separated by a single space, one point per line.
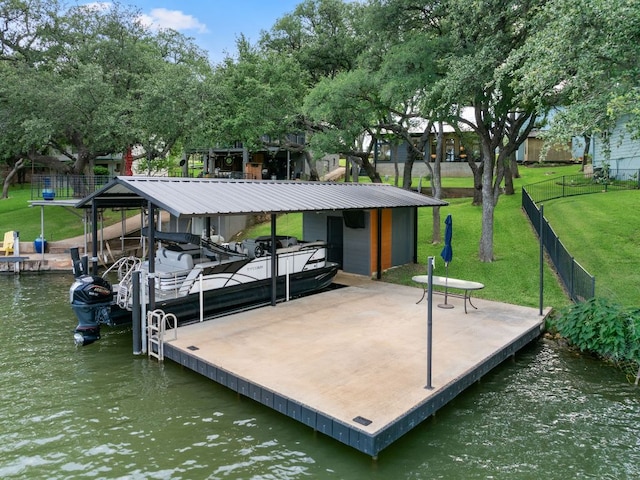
402 236
356 243
314 226
357 248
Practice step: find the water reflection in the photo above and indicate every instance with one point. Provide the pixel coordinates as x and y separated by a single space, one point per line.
101 412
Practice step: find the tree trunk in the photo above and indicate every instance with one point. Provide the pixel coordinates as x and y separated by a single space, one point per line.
313 172
585 152
396 170
477 181
408 169
508 174
363 161
488 205
7 181
436 183
515 170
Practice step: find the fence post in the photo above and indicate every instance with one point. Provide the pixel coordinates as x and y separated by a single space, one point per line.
540 235
572 289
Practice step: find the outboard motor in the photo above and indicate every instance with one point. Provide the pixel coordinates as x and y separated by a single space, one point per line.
90 298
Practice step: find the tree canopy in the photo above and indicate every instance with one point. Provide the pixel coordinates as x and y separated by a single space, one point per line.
91 80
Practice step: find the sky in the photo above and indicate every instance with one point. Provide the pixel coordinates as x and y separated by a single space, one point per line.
214 24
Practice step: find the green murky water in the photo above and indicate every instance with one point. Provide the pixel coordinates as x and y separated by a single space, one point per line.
101 412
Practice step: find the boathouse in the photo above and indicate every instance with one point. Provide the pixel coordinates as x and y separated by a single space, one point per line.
369 227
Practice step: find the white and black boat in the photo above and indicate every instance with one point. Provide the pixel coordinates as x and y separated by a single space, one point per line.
191 274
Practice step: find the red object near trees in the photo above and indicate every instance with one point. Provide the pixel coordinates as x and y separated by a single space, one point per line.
128 162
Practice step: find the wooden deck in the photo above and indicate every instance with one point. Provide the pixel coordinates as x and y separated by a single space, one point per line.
351 362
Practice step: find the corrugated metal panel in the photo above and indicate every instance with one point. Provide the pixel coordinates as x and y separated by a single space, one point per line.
201 197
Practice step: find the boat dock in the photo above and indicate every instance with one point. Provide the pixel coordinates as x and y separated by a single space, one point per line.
352 362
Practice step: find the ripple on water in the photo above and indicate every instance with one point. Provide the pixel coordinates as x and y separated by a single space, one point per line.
101 412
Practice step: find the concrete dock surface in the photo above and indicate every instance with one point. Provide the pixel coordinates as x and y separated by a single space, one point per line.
355 358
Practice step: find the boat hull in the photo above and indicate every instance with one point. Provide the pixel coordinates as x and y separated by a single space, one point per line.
221 300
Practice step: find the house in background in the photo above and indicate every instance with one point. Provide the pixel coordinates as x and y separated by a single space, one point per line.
531 151
456 150
269 163
623 157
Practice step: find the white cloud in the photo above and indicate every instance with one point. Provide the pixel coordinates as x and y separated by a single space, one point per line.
175 19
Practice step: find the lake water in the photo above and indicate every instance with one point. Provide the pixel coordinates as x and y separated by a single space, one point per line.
101 412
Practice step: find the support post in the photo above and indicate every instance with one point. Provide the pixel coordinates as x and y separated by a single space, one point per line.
152 257
274 261
16 251
42 230
379 246
415 234
94 238
135 314
429 386
541 257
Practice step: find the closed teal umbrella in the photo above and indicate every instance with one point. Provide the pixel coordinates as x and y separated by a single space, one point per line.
447 255
447 251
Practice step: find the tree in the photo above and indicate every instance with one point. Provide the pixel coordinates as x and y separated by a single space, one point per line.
91 80
583 57
321 35
323 38
341 111
476 47
256 99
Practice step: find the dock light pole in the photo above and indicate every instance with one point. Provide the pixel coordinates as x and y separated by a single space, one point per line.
430 262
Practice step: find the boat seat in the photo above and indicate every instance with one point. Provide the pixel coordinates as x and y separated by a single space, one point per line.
173 260
7 243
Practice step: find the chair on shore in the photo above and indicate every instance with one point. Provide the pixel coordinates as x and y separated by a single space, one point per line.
7 244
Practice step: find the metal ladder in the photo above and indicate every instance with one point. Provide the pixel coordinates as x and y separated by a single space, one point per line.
157 324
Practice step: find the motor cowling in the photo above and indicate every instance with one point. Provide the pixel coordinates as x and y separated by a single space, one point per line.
90 290
91 297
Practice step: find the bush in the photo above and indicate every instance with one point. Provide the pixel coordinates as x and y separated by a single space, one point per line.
603 328
100 171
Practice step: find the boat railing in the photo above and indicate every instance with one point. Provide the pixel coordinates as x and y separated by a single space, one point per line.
316 244
124 267
177 283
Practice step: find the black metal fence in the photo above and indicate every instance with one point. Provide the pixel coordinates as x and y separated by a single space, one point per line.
65 187
603 179
580 284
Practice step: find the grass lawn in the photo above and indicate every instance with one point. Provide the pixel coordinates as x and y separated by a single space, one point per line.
512 278
603 234
59 222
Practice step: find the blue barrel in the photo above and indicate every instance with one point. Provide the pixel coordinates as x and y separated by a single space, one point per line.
40 245
48 194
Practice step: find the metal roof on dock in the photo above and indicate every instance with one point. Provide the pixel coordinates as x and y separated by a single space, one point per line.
205 196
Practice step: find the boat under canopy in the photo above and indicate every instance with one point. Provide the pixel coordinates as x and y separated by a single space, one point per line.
189 262
195 277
